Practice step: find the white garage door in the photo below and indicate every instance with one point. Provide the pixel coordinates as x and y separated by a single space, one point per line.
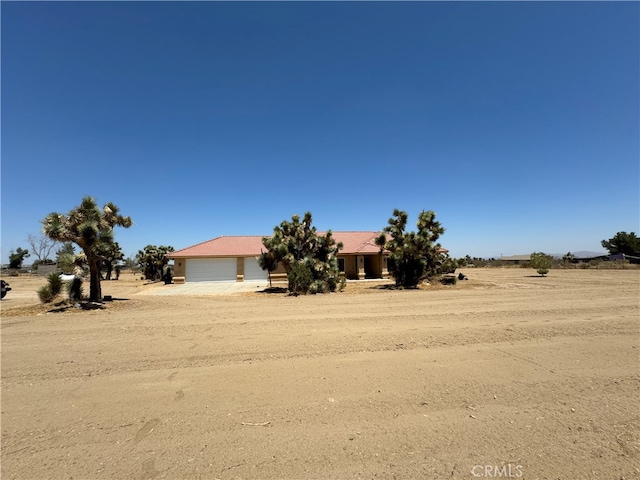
252 270
211 270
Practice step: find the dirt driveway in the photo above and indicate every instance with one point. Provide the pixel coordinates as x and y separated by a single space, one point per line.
505 375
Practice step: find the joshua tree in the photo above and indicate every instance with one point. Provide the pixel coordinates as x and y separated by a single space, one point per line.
310 259
91 229
413 256
153 260
113 253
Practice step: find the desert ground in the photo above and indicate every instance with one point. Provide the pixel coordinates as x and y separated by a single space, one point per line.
505 375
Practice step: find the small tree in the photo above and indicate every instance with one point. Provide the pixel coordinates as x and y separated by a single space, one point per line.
112 253
541 262
16 258
91 229
310 259
413 256
268 262
152 260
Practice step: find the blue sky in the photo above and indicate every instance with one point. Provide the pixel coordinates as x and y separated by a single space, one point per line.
518 123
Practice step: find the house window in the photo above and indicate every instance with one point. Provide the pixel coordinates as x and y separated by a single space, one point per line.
341 264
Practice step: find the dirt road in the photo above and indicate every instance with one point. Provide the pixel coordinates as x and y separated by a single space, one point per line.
505 375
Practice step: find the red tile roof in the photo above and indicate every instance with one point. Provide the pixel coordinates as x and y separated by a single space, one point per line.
357 242
236 246
239 246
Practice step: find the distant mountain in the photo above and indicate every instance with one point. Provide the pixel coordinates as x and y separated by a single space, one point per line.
589 254
579 254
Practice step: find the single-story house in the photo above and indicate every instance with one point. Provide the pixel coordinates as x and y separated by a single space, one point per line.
235 258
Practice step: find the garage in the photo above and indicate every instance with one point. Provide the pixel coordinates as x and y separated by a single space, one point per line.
211 269
252 270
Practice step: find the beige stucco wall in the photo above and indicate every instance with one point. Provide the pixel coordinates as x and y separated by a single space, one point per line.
179 270
356 267
240 269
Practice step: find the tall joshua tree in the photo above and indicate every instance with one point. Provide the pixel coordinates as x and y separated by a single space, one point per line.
413 255
310 259
91 229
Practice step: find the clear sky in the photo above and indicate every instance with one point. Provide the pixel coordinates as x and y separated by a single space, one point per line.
518 123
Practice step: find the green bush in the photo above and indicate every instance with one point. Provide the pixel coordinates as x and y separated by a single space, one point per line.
448 280
541 262
45 295
447 266
55 284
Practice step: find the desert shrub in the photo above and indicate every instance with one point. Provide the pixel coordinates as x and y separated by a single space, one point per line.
447 266
541 262
45 295
55 283
448 280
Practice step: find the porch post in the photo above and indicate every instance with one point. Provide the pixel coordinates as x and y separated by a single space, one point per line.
384 269
360 266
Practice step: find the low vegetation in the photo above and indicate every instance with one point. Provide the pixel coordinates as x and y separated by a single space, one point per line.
51 291
541 262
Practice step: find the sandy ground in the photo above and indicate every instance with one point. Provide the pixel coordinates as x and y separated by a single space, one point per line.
506 375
